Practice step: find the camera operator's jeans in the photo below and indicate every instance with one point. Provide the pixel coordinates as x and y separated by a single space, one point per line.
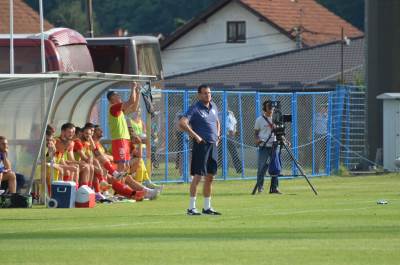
264 158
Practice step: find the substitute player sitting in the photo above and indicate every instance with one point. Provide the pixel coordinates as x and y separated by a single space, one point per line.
122 183
6 173
64 152
61 168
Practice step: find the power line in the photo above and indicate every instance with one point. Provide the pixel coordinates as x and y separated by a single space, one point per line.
221 42
238 47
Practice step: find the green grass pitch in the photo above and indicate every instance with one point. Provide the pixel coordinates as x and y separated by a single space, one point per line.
342 225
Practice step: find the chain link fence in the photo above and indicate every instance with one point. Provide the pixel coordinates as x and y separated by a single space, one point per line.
354 147
326 131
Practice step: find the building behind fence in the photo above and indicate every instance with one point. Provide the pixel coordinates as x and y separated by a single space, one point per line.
320 142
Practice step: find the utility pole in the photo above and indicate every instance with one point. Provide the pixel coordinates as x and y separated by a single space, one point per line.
298 29
42 49
11 5
341 58
299 40
89 17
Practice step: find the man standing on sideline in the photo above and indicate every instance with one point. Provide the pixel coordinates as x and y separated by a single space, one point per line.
118 127
265 138
231 130
321 132
202 124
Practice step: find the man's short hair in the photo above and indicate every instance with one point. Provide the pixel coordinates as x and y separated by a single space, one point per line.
50 130
2 138
89 125
67 125
267 105
201 87
110 94
78 130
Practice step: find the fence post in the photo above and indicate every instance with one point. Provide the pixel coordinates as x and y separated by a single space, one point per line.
185 154
241 134
258 104
347 146
104 116
166 106
225 135
329 139
294 132
312 135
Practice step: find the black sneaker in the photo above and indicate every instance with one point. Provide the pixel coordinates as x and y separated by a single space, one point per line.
210 211
193 212
275 191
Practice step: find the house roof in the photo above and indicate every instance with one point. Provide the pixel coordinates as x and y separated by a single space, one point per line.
26 20
316 23
308 68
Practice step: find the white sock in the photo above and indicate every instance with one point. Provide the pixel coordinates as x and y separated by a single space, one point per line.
207 203
146 189
192 203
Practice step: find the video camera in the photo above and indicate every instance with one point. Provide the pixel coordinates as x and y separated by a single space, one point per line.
278 119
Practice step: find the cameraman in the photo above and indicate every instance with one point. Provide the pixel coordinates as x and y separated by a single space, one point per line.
265 139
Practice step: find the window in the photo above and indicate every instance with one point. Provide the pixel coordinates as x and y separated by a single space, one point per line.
149 59
236 31
109 58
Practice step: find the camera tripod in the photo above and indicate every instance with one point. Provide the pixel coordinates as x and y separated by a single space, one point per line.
281 144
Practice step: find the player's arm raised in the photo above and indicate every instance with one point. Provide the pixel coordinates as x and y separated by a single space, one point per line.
132 104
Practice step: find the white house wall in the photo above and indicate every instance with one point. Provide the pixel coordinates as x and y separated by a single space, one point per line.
391 136
183 55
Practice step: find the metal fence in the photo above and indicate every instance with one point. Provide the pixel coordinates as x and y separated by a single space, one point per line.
354 127
324 132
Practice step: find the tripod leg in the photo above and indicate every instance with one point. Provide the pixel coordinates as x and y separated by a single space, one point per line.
255 189
299 167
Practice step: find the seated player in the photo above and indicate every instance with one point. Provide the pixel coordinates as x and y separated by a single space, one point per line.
64 152
61 169
122 183
83 152
6 173
97 135
137 165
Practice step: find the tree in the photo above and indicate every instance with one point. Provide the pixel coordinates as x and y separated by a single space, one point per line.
146 16
156 16
352 11
72 15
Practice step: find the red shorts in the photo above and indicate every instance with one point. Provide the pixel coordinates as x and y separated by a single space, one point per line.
121 150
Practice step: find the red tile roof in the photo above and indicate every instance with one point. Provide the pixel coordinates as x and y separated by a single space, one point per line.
318 25
26 20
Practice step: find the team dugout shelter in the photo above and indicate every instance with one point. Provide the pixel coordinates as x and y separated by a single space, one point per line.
69 89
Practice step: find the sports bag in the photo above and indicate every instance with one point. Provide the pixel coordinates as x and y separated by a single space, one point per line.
275 164
15 201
